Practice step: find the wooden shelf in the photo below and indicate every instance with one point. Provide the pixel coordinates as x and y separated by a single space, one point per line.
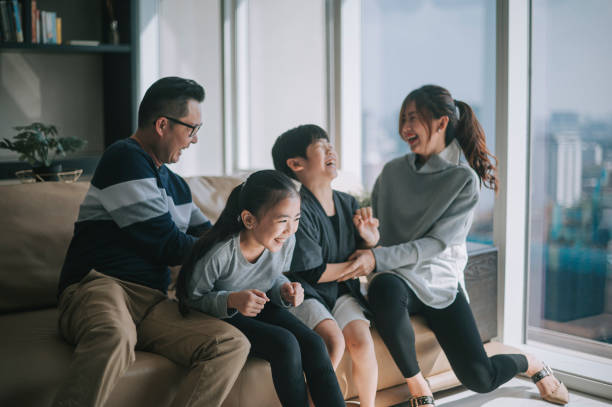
110 69
67 49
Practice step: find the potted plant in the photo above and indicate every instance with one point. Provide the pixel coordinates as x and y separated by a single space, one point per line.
39 144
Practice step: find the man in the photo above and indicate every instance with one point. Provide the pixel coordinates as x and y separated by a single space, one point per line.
137 219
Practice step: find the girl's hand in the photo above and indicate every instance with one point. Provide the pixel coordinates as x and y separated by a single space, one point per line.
367 226
248 302
292 293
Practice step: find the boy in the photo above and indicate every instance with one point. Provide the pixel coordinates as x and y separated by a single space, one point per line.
331 228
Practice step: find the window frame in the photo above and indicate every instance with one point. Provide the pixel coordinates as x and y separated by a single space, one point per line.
511 214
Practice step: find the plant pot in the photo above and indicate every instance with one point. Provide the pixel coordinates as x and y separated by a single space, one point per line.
47 173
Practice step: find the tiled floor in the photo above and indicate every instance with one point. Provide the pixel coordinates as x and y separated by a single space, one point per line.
516 393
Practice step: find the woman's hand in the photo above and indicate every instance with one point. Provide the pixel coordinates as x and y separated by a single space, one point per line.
292 293
367 226
248 302
364 263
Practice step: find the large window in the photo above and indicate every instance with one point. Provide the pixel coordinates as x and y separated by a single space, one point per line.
407 44
570 243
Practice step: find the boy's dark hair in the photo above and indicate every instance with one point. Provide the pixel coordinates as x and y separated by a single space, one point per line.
168 96
261 191
293 143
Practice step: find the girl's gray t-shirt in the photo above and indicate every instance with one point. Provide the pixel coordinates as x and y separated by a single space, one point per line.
223 270
425 215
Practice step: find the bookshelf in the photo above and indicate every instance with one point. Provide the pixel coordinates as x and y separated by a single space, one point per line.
112 77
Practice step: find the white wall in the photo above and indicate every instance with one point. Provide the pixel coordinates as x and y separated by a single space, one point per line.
190 46
287 76
49 88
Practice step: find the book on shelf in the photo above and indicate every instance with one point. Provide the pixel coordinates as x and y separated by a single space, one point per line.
38 28
50 27
6 21
86 43
58 30
34 22
17 19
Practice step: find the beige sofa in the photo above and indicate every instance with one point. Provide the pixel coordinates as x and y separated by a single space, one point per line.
36 224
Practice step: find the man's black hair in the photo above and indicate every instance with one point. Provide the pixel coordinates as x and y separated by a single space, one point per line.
293 143
168 97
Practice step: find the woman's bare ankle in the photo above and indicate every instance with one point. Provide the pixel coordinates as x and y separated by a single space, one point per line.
534 365
418 386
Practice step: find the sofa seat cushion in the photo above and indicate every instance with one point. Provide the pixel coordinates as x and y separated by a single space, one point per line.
35 359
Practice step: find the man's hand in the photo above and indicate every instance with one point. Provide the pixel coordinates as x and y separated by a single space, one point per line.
364 263
248 302
292 293
367 226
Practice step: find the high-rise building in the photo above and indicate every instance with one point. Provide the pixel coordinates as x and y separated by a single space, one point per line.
568 168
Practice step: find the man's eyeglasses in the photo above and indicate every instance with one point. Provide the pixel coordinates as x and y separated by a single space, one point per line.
194 129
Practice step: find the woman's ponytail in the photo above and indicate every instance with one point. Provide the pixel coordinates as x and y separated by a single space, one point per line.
471 138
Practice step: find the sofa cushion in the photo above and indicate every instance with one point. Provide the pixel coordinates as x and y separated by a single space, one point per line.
210 193
31 339
35 360
37 223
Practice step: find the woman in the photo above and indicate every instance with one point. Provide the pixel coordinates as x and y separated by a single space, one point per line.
425 203
235 272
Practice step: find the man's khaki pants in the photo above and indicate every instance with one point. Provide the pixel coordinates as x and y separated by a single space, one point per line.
107 319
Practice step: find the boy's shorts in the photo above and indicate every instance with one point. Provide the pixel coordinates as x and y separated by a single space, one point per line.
347 309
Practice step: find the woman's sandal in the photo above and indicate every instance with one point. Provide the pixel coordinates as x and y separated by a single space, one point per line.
421 401
559 395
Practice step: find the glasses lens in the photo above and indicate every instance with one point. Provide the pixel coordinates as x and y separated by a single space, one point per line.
194 130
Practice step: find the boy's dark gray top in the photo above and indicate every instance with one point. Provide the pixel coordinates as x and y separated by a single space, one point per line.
319 242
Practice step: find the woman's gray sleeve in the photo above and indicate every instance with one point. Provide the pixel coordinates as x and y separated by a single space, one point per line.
451 228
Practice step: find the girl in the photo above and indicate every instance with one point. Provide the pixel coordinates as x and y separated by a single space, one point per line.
425 202
234 272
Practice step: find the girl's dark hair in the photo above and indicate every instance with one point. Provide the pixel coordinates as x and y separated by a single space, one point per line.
261 191
432 102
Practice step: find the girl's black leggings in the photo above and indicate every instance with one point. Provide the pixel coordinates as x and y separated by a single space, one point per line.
292 350
392 302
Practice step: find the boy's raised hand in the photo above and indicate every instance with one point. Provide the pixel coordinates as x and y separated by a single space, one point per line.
292 293
248 302
367 226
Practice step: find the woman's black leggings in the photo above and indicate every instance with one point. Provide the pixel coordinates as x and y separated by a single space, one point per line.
292 350
392 301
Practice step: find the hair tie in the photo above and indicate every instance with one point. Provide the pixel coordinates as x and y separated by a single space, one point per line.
457 112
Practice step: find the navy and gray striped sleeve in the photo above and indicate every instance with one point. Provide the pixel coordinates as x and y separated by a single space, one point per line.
125 189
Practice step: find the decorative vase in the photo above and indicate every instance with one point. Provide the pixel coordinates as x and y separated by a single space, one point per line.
114 33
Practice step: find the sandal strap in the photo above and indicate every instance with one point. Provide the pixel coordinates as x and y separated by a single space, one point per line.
421 401
542 374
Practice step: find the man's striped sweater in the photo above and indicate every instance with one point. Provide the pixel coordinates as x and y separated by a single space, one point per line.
135 221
